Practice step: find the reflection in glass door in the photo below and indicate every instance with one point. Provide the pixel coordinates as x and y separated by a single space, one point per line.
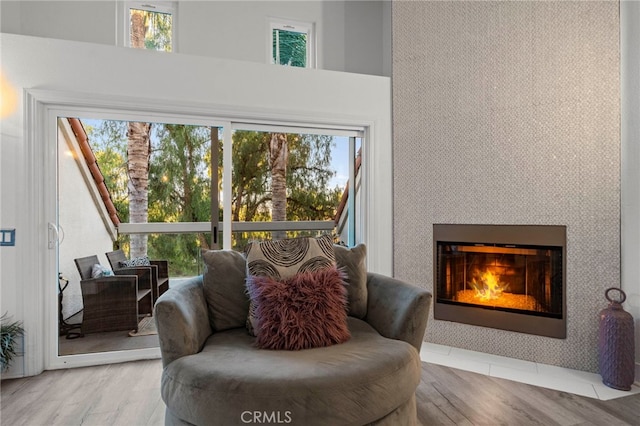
290 182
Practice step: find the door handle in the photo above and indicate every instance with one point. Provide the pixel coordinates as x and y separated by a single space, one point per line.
54 235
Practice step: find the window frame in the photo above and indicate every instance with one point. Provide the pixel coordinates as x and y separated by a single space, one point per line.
226 225
124 22
355 225
308 28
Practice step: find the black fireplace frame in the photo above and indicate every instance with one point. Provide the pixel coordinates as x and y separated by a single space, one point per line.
531 235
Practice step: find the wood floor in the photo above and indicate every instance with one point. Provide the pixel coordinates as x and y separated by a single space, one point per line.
105 342
129 394
448 396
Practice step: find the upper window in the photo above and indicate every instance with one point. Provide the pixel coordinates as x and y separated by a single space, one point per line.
150 25
292 44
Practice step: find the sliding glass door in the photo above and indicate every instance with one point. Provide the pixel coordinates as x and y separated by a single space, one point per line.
166 189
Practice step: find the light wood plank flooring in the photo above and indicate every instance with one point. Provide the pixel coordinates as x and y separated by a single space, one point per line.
105 342
129 394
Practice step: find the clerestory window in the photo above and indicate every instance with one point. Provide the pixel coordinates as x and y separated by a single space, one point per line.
149 25
291 43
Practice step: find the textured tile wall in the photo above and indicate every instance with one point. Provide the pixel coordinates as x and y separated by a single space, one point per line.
508 113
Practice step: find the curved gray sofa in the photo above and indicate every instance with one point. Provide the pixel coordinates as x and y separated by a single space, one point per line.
220 378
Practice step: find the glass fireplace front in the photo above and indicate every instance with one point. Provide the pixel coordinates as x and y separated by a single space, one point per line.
494 276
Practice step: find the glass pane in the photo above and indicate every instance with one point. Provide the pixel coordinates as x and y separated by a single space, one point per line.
105 167
505 277
164 169
83 232
150 30
349 204
181 251
286 177
241 239
289 48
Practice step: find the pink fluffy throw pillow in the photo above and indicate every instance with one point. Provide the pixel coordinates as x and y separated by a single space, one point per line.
305 311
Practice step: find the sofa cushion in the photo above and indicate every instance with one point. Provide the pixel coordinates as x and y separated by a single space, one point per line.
281 259
224 288
305 311
285 258
353 262
356 382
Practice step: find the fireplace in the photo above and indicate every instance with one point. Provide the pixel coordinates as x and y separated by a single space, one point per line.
510 277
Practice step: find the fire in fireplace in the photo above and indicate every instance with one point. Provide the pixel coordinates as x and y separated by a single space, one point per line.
509 277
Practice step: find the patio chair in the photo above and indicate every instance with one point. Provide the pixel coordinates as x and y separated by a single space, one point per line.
111 303
154 275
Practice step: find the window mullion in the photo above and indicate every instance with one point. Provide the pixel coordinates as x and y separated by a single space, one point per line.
351 200
277 47
215 198
298 128
227 173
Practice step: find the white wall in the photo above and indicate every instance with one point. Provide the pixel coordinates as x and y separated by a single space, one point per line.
79 218
10 294
57 73
361 53
91 21
239 30
352 36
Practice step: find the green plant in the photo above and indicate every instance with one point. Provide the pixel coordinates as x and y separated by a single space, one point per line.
9 333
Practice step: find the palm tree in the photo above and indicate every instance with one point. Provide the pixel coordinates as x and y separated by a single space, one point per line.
138 153
278 158
139 25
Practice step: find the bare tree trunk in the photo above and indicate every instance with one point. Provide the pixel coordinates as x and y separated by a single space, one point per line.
138 153
138 29
278 158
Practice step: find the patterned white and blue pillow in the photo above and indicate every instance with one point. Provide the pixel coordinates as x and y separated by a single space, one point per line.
98 271
136 261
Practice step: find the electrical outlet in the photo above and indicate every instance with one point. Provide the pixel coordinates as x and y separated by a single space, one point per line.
7 237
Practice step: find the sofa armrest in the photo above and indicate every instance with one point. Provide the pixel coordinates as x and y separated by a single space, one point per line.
396 309
182 320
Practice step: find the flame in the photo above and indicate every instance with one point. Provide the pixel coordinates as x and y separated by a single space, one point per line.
487 286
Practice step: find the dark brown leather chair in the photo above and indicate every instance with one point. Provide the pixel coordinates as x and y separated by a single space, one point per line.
111 303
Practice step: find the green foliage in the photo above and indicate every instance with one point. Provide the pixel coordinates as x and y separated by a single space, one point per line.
179 183
114 169
309 196
250 176
109 144
9 333
289 48
308 174
180 174
158 30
